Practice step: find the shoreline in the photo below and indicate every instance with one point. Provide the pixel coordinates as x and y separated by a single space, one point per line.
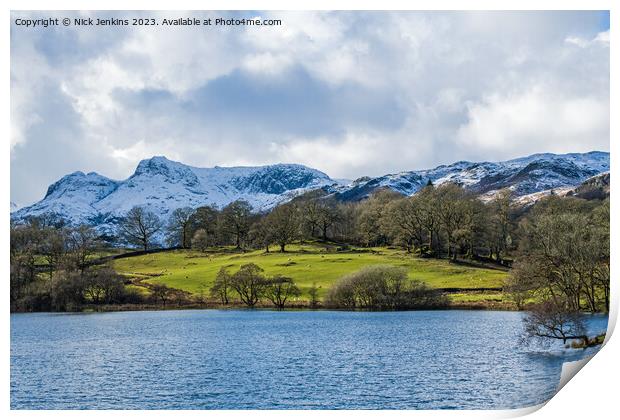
158 307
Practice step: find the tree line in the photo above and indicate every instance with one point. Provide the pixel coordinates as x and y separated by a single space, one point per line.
444 221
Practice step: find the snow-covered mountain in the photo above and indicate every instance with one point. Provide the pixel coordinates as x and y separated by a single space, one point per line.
597 187
163 185
523 176
594 188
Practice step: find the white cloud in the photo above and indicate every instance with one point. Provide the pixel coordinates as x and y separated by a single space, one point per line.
600 38
351 93
340 159
267 63
523 121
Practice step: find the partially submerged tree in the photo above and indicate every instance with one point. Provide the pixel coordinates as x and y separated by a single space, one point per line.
552 320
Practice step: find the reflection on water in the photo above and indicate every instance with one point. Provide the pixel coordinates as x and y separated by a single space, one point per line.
281 360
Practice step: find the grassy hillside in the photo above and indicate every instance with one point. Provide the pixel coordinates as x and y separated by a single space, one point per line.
193 271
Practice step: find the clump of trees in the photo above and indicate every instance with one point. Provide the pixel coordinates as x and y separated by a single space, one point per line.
279 289
562 265
51 268
249 283
71 289
383 287
164 294
251 286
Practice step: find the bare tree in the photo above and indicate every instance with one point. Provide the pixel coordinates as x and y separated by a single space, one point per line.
451 206
53 247
162 292
425 198
403 221
82 242
206 218
371 215
279 289
139 226
311 217
383 287
179 226
222 285
200 240
102 285
571 263
235 221
261 234
328 215
283 225
249 283
556 321
314 295
500 223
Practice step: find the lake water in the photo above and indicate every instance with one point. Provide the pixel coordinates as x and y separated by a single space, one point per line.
237 359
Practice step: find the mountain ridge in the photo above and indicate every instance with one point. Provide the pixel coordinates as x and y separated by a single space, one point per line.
164 185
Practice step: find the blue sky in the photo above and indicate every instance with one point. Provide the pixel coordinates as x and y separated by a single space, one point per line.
349 93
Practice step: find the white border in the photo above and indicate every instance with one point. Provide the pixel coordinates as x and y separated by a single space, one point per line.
592 394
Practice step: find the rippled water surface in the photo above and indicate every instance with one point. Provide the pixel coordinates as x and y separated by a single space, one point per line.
280 360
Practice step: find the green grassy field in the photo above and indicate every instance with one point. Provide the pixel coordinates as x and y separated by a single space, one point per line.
192 271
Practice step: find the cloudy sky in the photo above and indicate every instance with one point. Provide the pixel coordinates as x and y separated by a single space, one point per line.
349 93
